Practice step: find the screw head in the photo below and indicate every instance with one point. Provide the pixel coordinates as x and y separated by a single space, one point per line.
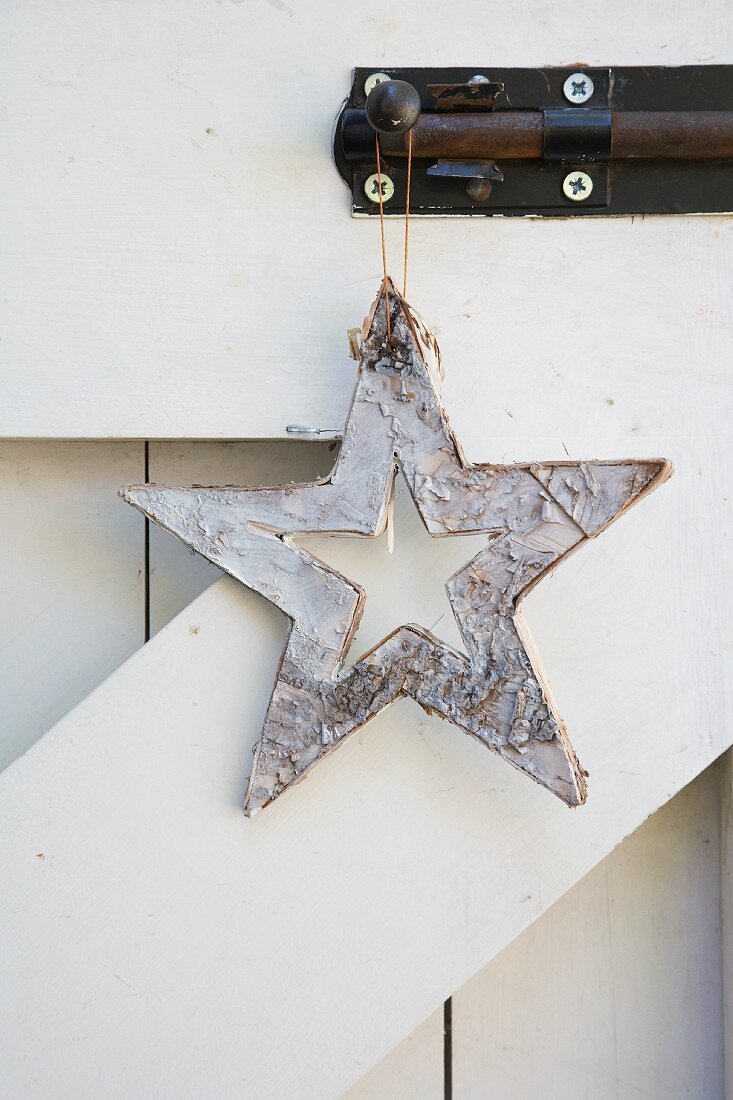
578 88
479 190
374 79
577 186
371 188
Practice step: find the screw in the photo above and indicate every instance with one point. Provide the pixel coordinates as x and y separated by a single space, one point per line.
577 186
373 80
479 190
371 188
578 88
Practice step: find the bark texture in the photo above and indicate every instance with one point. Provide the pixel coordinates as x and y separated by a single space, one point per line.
532 516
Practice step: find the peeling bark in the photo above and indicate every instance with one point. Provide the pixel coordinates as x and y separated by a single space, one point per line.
532 515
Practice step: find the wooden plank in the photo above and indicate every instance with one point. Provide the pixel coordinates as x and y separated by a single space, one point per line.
71 582
726 910
413 1070
73 611
615 992
414 1067
172 920
176 575
171 198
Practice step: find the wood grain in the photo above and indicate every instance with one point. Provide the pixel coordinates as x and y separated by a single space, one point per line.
72 582
638 1011
410 1065
196 909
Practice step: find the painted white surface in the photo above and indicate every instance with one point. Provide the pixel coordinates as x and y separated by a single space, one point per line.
616 991
174 926
176 575
71 584
179 259
610 924
726 844
617 986
71 579
413 1070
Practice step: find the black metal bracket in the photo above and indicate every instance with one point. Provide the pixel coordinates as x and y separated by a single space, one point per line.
551 142
577 135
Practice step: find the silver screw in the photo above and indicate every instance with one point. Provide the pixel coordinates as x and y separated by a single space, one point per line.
577 186
371 188
373 80
578 88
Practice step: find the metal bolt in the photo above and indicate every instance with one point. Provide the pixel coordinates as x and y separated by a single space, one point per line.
371 188
578 88
373 80
577 186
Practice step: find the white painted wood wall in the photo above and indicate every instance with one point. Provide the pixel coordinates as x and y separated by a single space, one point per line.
615 992
166 277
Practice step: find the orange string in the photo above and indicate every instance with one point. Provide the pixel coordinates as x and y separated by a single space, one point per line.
384 247
407 210
381 227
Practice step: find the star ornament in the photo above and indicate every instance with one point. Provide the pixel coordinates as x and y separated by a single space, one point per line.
532 516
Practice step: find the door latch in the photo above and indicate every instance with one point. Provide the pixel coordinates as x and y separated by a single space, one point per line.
552 142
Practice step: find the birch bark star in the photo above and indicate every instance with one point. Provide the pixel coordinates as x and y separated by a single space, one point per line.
531 516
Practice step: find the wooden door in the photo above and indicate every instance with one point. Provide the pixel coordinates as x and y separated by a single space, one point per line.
181 270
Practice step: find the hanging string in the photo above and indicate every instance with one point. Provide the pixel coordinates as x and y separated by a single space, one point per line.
384 247
381 226
390 506
407 210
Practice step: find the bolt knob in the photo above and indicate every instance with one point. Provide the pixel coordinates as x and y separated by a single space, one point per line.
393 107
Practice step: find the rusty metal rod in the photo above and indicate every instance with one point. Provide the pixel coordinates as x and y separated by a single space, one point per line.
688 135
